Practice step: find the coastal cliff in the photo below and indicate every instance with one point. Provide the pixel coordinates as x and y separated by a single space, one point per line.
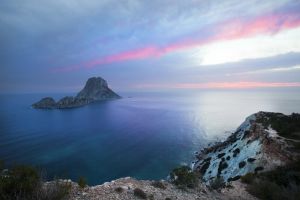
95 89
263 142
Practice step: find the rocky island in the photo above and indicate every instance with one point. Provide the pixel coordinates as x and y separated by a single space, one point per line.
95 89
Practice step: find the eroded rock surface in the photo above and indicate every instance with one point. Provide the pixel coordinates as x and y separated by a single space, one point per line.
254 147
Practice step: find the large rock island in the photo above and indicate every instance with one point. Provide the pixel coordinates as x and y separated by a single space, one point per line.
95 89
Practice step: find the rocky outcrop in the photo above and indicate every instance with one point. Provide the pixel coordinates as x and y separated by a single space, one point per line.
45 103
95 89
124 189
257 145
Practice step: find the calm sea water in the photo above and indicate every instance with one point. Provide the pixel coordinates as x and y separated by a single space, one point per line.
144 136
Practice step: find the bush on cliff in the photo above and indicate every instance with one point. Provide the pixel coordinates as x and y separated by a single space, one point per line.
139 193
217 183
82 182
286 125
184 177
158 184
281 183
25 182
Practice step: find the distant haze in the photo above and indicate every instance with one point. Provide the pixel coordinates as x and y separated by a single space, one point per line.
55 46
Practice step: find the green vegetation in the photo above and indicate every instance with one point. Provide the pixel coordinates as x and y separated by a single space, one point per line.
119 190
248 178
184 177
82 182
286 125
281 183
158 184
1 165
217 183
151 197
25 182
57 190
139 193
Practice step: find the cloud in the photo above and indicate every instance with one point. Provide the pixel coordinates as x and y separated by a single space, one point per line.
131 42
285 60
270 24
221 85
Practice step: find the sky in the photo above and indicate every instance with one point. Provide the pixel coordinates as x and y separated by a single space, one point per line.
55 46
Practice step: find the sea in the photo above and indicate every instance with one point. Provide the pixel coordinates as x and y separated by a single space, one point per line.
143 135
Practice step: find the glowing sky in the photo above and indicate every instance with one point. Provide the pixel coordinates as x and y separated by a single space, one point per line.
54 46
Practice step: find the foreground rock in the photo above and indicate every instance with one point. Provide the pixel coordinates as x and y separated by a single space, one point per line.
95 89
262 143
123 189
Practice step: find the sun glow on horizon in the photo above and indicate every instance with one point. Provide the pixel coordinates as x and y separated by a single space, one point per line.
248 48
221 85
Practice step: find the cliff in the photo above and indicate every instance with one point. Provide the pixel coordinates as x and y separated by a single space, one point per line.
263 142
95 89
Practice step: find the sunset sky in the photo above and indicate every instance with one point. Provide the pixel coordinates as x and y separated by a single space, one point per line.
55 46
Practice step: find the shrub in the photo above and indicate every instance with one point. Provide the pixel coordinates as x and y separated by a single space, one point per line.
56 190
267 190
184 177
286 125
1 165
263 189
248 178
82 182
158 184
281 183
119 190
20 182
217 183
139 193
24 182
151 197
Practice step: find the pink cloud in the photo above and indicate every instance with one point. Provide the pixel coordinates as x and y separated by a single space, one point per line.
127 55
220 85
270 24
230 30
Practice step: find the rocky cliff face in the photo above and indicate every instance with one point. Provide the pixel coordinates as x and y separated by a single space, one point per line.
257 145
95 89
